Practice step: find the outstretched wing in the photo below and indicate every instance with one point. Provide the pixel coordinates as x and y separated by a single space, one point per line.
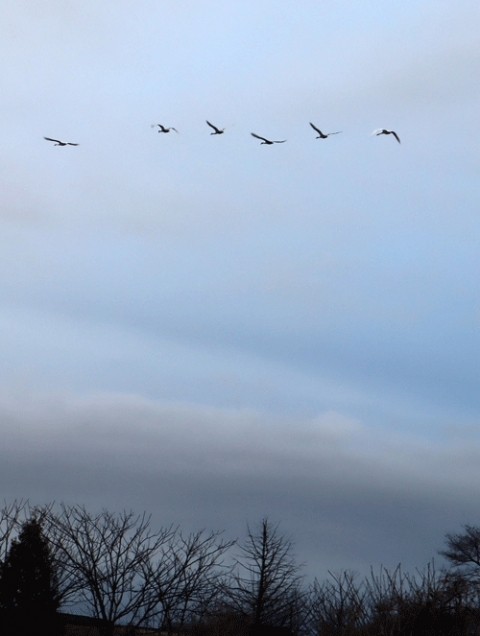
258 137
70 144
316 129
50 139
282 141
211 125
396 136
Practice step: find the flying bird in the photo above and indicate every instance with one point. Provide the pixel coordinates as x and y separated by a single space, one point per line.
163 129
383 131
60 143
216 131
322 135
267 141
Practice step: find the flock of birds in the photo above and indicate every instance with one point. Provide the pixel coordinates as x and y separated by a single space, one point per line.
263 140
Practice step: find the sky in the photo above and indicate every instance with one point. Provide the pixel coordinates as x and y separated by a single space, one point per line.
214 330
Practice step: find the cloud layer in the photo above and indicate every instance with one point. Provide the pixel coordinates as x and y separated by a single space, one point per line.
341 488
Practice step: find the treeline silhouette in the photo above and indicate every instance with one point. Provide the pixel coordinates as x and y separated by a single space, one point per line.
129 578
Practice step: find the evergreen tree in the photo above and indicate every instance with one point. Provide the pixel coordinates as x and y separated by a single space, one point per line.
28 590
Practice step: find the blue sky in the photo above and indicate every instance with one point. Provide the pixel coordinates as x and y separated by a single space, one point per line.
215 330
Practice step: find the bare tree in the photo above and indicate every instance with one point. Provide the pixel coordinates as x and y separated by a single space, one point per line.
105 557
187 578
386 596
266 582
424 602
337 606
463 549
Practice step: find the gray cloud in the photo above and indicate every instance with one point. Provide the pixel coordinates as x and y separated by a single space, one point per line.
350 495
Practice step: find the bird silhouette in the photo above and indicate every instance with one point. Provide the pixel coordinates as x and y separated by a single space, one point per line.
216 131
322 135
163 129
267 141
384 131
60 143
